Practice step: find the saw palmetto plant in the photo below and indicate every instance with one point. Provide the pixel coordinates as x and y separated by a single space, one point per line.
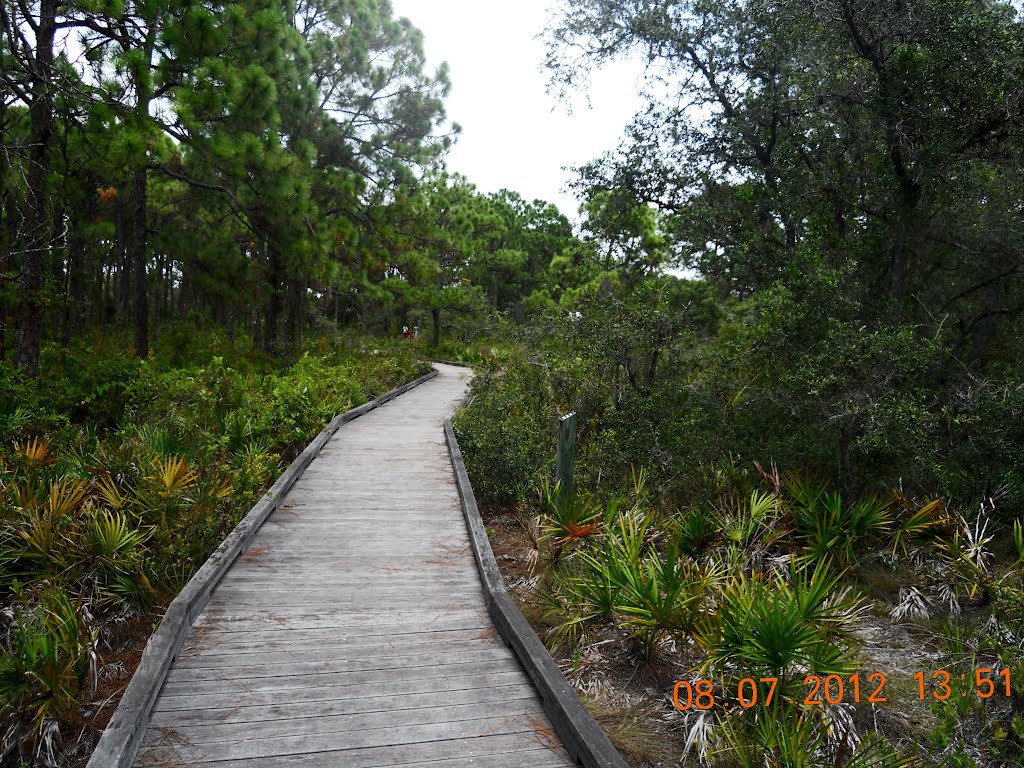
764 626
756 520
826 527
967 554
568 520
917 522
81 537
47 659
589 587
664 594
808 739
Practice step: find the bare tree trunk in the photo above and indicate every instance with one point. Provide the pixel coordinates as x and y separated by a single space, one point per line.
272 310
122 264
985 329
39 222
137 254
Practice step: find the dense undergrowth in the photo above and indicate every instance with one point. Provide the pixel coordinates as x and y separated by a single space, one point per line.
119 478
787 512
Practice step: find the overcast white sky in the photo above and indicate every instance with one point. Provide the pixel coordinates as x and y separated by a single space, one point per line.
514 134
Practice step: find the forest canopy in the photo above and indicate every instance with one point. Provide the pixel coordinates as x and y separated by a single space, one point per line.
788 318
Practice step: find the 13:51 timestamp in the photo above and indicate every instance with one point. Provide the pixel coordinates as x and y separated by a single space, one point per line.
986 684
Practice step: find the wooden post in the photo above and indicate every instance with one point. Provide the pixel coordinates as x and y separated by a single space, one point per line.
565 458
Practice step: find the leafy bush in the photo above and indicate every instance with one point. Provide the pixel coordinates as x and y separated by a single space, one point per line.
134 473
507 433
47 661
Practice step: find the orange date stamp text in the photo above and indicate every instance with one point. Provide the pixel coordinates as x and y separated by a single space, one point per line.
984 682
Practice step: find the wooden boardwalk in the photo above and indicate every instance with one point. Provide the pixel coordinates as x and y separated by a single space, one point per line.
353 632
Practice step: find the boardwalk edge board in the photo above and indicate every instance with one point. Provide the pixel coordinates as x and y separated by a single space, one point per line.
122 737
586 742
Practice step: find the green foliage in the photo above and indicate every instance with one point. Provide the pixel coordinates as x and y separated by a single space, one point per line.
567 520
827 528
768 627
47 662
652 593
511 447
98 525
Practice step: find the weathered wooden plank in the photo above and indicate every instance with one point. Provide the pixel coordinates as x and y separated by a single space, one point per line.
239 622
489 751
350 597
230 699
306 724
225 680
398 578
525 722
278 631
223 658
213 644
345 706
284 667
284 547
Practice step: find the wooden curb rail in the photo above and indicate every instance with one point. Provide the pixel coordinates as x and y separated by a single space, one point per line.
119 744
586 742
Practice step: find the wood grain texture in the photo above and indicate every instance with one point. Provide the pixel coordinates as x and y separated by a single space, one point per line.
350 626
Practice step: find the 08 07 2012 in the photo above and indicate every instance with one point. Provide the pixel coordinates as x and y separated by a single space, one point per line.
820 690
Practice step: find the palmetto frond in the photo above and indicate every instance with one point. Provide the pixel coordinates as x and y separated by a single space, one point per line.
35 451
110 537
174 475
66 496
921 521
571 519
116 498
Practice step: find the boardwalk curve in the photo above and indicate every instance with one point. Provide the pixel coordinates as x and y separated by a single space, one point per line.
353 629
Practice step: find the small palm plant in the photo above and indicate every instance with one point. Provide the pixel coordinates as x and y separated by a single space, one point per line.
47 658
111 552
62 536
753 522
827 528
775 631
967 554
764 626
652 591
760 737
664 595
568 520
589 588
917 522
695 529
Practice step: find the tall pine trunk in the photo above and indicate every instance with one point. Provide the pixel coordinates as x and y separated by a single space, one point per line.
139 236
137 257
38 222
122 279
272 310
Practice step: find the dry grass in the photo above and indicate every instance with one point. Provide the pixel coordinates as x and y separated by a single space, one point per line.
245 688
256 552
547 738
636 728
170 750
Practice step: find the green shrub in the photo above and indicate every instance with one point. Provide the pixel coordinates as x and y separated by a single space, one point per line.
507 432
